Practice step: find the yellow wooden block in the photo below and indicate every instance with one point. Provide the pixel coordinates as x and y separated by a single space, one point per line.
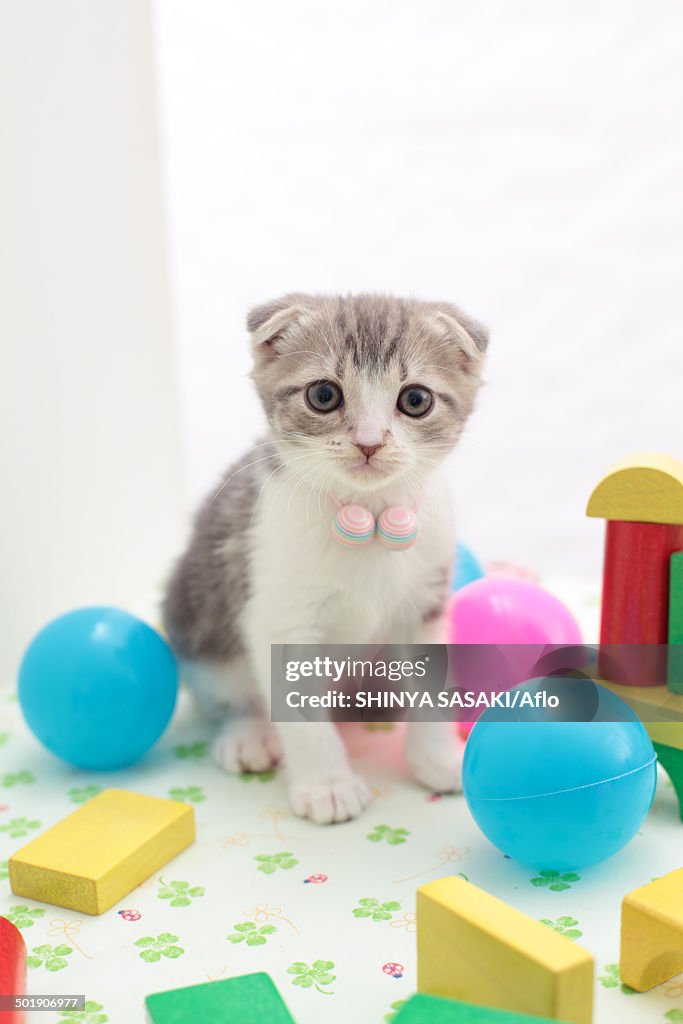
645 488
659 709
668 733
652 932
473 947
97 855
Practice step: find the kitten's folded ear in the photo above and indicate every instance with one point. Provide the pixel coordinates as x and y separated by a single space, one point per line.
268 323
471 336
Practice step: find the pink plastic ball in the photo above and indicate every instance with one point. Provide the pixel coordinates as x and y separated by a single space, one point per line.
501 610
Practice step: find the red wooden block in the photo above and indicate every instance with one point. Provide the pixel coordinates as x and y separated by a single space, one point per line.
12 969
635 600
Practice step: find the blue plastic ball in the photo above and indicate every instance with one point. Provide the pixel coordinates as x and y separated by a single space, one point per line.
555 794
98 686
467 567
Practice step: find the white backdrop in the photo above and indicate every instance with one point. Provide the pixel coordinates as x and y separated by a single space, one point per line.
92 481
522 159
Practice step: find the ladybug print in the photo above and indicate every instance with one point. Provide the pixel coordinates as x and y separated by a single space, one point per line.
315 879
394 970
130 915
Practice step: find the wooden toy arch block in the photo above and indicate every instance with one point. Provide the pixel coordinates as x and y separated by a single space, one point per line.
475 948
644 488
652 933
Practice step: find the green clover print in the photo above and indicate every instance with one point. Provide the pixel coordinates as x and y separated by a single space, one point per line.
313 977
269 863
260 776
555 881
393 836
190 794
565 926
179 893
376 910
247 931
612 979
4 737
22 917
80 795
164 945
53 957
191 751
673 1015
393 1010
4 870
90 1015
19 827
17 779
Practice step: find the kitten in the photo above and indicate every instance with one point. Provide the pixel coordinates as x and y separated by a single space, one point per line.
365 396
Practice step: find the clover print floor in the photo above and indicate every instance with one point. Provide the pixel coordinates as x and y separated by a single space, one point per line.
328 912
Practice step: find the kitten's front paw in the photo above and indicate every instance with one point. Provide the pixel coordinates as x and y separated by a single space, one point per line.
439 771
334 800
247 745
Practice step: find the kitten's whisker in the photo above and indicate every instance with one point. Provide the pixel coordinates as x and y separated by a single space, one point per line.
327 488
304 477
423 458
294 433
241 469
283 465
311 489
415 484
297 481
284 484
317 487
449 442
316 449
296 437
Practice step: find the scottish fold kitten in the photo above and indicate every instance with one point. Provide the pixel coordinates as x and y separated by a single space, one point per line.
365 396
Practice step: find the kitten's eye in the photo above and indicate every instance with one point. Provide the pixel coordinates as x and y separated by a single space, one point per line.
415 401
324 396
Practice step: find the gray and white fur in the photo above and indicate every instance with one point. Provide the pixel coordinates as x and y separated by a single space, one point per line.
365 396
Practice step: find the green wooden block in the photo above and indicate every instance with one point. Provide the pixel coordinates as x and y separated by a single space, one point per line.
249 999
675 658
671 760
434 1010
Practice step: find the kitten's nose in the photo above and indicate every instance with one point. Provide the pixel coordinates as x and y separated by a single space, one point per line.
369 450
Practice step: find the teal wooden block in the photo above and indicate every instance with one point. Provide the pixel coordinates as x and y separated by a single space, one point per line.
422 1009
249 999
675 655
